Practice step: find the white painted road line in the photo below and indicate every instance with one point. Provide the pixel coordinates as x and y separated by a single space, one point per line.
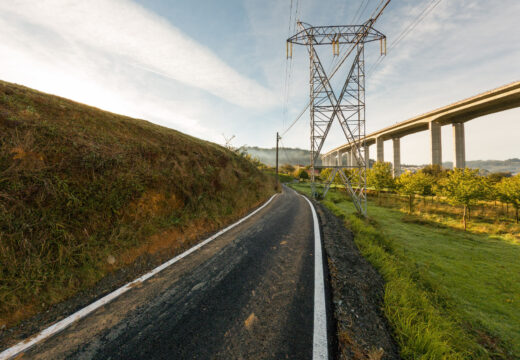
62 324
320 348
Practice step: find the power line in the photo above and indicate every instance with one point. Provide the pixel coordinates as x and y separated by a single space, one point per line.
368 25
411 26
289 161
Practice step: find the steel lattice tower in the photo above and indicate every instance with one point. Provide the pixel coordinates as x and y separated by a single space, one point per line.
348 107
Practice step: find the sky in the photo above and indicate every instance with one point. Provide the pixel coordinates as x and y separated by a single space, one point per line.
218 68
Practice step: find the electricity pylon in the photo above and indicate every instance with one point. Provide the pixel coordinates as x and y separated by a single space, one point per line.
348 107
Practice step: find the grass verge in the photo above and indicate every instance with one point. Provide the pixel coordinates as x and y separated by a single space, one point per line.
449 294
84 192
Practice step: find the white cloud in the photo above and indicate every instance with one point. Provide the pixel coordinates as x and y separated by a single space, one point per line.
87 33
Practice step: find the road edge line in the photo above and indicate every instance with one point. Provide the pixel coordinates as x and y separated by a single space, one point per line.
64 323
320 348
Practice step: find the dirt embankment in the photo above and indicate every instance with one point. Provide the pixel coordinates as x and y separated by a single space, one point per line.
85 193
357 295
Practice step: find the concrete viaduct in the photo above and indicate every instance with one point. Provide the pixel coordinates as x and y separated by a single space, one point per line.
500 99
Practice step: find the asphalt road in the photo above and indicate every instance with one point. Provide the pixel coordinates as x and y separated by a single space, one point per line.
249 294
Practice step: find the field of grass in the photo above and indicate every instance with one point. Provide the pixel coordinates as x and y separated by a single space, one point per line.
84 192
449 294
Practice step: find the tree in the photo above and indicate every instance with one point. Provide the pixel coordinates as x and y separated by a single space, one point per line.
493 179
380 177
464 187
302 174
496 177
436 171
508 191
287 168
325 174
411 184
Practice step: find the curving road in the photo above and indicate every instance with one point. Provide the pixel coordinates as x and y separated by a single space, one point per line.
248 294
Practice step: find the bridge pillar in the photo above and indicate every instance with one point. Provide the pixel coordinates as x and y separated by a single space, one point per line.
367 156
397 156
380 144
353 161
338 158
436 143
344 157
460 145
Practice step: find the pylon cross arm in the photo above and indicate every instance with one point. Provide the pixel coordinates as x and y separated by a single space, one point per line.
336 34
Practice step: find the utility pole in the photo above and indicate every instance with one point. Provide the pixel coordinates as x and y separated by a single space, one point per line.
277 139
346 106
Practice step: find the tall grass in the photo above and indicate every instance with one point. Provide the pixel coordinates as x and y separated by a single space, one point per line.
84 192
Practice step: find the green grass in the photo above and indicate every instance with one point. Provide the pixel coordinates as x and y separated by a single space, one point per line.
449 294
79 185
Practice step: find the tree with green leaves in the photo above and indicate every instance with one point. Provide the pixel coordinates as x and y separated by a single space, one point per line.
287 168
508 191
302 174
325 175
380 177
496 177
435 170
411 184
464 187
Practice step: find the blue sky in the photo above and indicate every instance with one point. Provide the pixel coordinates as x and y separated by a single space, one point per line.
209 68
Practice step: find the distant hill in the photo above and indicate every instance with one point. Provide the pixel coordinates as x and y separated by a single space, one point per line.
295 156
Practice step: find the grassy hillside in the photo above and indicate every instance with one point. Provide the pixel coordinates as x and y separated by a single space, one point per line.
84 192
449 294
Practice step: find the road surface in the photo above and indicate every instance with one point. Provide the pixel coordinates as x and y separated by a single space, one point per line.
248 294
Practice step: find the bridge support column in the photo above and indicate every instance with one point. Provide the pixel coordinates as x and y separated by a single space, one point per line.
436 143
380 144
397 156
353 161
460 145
347 157
367 156
344 158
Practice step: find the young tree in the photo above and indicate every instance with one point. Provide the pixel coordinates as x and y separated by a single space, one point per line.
380 177
496 177
411 184
302 174
325 174
436 171
508 191
464 187
287 168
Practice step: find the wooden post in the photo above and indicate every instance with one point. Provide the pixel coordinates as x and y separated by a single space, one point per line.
277 138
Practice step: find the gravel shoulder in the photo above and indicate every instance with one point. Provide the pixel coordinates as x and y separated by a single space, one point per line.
357 292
